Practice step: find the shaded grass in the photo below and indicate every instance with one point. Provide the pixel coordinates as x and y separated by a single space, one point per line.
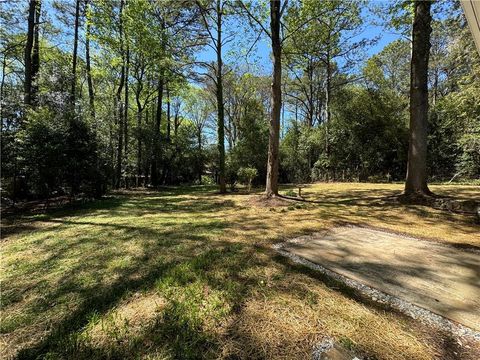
185 273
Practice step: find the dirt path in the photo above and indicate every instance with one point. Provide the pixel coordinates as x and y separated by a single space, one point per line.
434 276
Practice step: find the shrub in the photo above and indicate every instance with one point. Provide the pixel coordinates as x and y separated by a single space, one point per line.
207 180
246 176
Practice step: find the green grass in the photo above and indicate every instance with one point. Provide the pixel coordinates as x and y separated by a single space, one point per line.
185 273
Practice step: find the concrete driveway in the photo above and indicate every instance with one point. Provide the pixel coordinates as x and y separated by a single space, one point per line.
434 276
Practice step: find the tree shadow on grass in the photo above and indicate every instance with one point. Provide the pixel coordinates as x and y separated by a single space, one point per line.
381 205
178 332
20 223
178 255
114 206
172 260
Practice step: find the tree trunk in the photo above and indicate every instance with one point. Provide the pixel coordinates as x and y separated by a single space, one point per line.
167 161
125 109
36 54
416 182
200 165
74 56
168 114
139 127
139 146
91 94
310 103
2 85
435 87
157 136
328 93
176 125
220 104
125 123
28 53
119 107
276 102
119 104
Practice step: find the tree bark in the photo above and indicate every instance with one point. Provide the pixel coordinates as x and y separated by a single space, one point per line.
74 55
91 93
28 53
328 93
119 104
176 124
220 104
157 138
139 125
139 146
310 103
36 54
32 54
125 120
416 182
200 165
4 67
276 101
168 114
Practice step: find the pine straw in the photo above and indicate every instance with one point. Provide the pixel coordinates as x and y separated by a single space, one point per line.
266 202
292 319
126 320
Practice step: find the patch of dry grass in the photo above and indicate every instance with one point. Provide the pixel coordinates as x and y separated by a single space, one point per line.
187 273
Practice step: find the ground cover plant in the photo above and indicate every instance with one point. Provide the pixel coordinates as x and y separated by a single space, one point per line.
188 273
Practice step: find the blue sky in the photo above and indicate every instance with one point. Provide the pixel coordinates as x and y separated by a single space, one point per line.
259 58
260 55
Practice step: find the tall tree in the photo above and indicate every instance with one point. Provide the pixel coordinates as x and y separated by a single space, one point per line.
155 169
31 51
276 104
199 110
220 104
91 93
416 182
75 51
213 18
126 102
119 106
157 135
36 53
324 31
140 87
276 12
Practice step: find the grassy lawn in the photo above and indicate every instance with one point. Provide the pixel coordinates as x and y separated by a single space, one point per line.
185 273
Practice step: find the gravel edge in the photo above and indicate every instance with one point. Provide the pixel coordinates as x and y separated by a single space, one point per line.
424 316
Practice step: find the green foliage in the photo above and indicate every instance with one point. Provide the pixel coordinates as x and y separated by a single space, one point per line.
389 70
454 138
299 149
250 149
57 157
367 137
332 129
43 144
246 176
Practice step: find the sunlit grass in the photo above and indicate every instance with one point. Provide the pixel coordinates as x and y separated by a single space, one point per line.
187 273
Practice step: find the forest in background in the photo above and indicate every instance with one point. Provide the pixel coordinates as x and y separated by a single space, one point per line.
105 94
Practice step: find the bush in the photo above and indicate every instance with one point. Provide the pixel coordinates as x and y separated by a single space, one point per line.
246 176
207 180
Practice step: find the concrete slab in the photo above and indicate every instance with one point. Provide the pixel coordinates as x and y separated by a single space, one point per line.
434 276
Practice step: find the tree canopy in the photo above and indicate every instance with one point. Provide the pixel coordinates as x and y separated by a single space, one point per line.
106 94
